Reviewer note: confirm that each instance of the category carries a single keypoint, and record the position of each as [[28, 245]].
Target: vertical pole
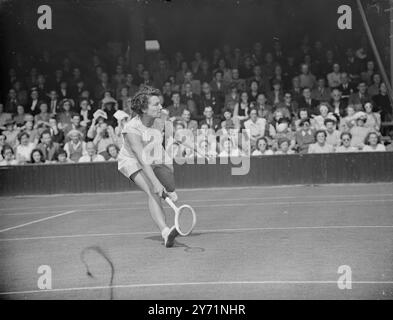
[[375, 50], [391, 42]]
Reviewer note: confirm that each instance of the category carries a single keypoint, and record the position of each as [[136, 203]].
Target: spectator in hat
[[360, 131], [37, 157], [332, 135], [48, 147], [373, 118], [304, 136], [262, 148], [7, 153], [99, 117], [318, 122], [11, 132], [105, 136], [110, 106], [91, 154], [372, 143], [283, 131], [320, 146], [75, 147], [24, 149], [346, 139]]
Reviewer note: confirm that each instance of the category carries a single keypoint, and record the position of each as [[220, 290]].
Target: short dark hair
[[140, 100], [318, 132], [6, 147]]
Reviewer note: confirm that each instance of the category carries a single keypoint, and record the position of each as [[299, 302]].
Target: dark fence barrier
[[267, 170]]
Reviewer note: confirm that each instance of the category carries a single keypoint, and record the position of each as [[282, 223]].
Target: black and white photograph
[[194, 151]]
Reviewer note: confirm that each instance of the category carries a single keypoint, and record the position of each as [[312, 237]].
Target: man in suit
[[358, 99], [176, 109], [321, 92], [346, 87], [218, 84], [188, 123], [189, 94], [210, 120], [195, 84], [103, 86], [306, 102], [337, 103], [209, 98]]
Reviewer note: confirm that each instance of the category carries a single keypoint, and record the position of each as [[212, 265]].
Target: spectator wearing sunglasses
[[346, 139]]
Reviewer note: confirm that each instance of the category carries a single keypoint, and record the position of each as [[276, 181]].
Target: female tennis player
[[153, 178]]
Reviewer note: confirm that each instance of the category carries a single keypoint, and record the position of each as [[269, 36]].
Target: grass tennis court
[[250, 243]]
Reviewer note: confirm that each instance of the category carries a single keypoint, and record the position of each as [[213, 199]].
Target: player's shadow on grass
[[179, 244]]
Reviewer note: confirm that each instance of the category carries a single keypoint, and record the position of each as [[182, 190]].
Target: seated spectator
[[254, 91], [218, 85], [302, 115], [321, 93], [265, 110], [367, 75], [206, 150], [382, 103], [2, 143], [373, 143], [346, 88], [284, 146], [304, 136], [320, 146], [257, 126], [360, 131], [195, 85], [24, 149], [187, 122], [283, 131], [43, 116], [241, 111], [109, 105], [332, 135], [62, 158], [48, 147], [229, 149], [337, 103], [209, 119], [349, 120], [359, 98], [318, 122], [37, 157], [91, 154], [236, 81], [113, 152], [307, 102], [105, 136], [53, 102], [176, 109], [75, 125], [32, 104], [20, 116], [296, 90], [76, 147], [210, 99], [373, 118], [228, 122], [86, 113], [56, 133], [7, 153], [373, 89], [103, 86], [65, 115], [276, 96], [11, 132], [121, 117], [189, 94], [334, 78], [288, 107], [306, 78], [226, 72], [346, 141], [4, 117], [232, 98], [262, 148], [122, 97]]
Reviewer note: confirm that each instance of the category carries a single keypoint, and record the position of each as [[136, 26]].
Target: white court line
[[181, 284], [248, 204], [37, 221], [209, 200], [195, 231]]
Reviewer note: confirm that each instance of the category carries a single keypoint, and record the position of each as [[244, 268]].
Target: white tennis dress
[[128, 162]]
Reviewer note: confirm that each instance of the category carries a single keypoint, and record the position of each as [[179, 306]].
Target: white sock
[[165, 232]]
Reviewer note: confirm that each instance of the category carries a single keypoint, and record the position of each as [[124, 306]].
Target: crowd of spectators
[[310, 100]]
